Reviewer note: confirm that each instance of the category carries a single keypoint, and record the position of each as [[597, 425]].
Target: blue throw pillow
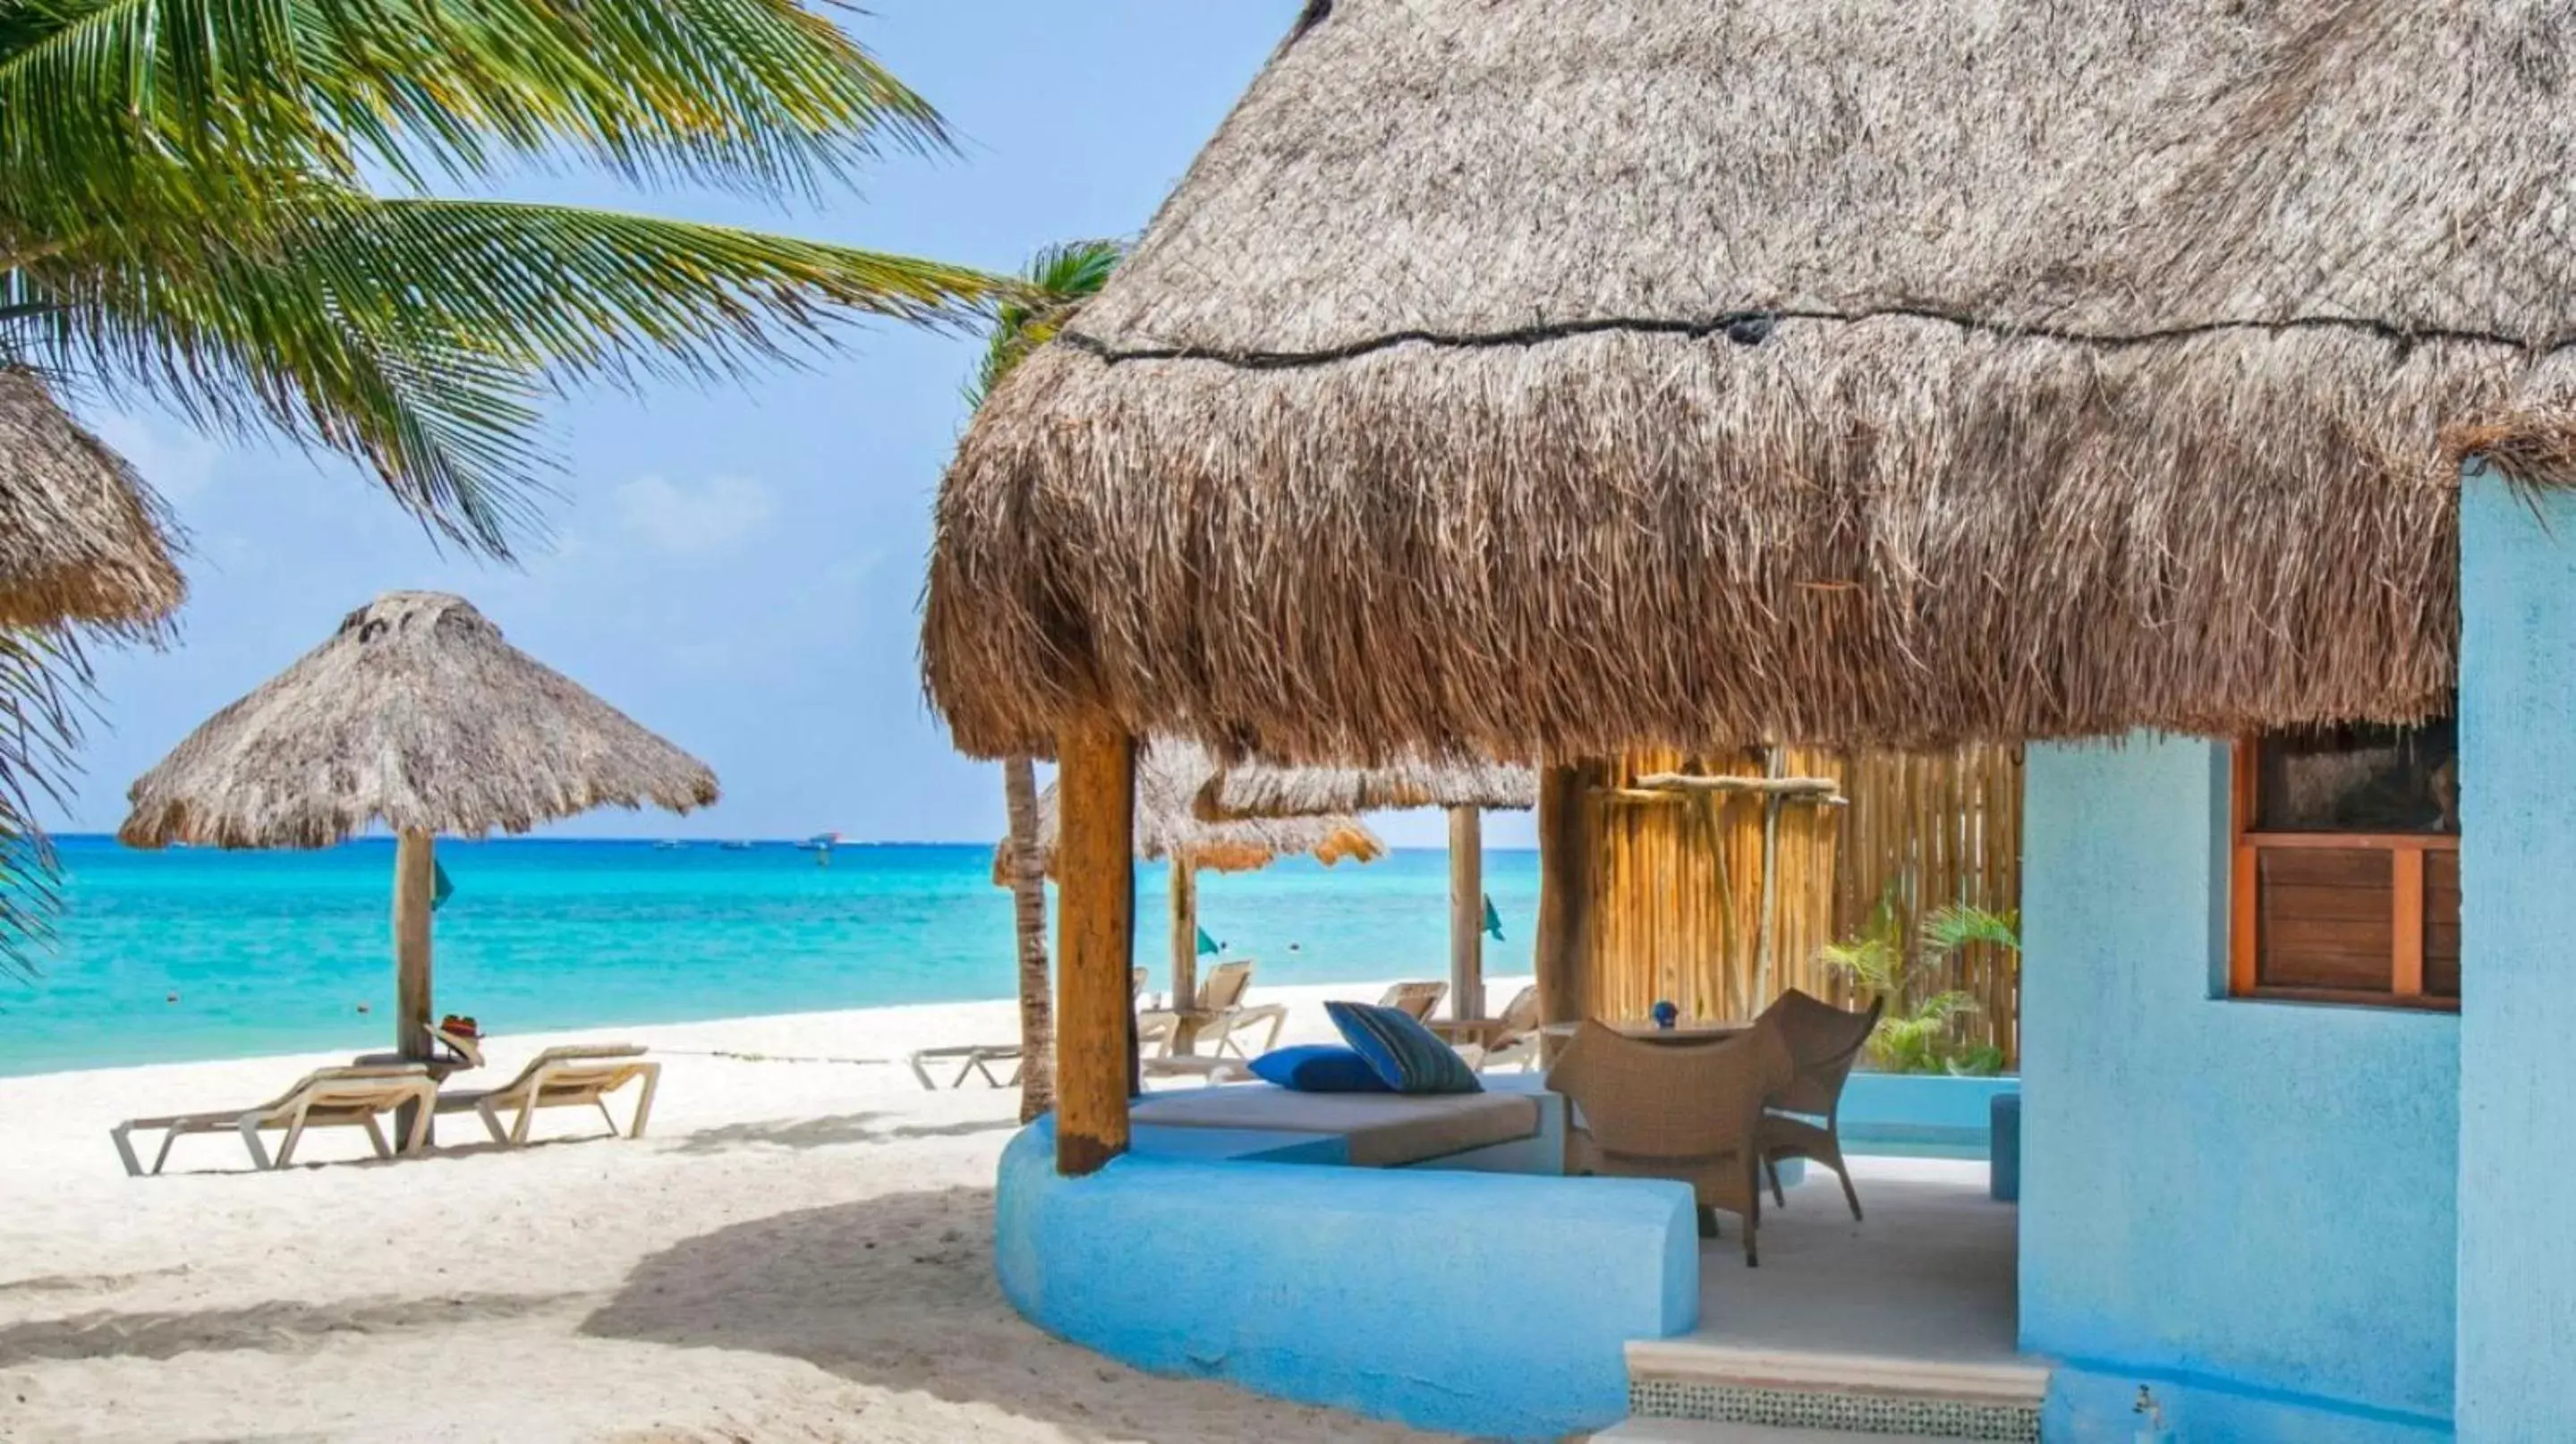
[[1318, 1068], [1407, 1056]]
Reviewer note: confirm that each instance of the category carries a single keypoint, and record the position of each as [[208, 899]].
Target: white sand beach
[[798, 1250]]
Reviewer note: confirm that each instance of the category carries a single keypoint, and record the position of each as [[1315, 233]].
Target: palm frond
[[762, 95], [419, 335], [44, 687], [1958, 926], [1057, 282]]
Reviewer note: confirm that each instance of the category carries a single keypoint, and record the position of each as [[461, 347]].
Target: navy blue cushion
[[1318, 1068], [1407, 1056]]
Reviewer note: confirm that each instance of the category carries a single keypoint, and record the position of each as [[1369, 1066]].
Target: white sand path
[[797, 1251]]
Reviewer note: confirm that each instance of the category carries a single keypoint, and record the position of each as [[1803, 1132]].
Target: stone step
[[1858, 1395]]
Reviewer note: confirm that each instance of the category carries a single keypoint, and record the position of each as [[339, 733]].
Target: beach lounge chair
[[573, 1077], [979, 1059], [1686, 1111], [350, 1097], [1220, 1016], [1498, 1042], [972, 1060], [1417, 999], [1803, 1119]]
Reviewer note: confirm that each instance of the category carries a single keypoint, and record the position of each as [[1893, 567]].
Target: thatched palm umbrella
[[1169, 779], [1464, 789], [417, 715], [82, 539], [1887, 372]]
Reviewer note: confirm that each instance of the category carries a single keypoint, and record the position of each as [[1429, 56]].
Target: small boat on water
[[735, 845], [821, 842], [669, 844]]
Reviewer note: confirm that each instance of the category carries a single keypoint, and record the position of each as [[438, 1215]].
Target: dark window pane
[[2363, 778], [2326, 919]]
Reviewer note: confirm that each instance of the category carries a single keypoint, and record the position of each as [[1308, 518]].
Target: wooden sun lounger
[[972, 1059], [573, 1077], [325, 1098]]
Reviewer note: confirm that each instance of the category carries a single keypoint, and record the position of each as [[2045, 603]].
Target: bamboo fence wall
[[1677, 879]]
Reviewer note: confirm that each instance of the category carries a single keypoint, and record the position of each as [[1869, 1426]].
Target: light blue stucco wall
[[1478, 1303], [2247, 1206], [2517, 1229]]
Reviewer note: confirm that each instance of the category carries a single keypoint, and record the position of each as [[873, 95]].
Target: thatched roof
[[82, 538], [1260, 789], [1169, 776], [415, 714], [1510, 377]]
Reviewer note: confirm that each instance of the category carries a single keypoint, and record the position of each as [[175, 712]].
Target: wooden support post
[[1095, 942], [1568, 832], [415, 893], [1185, 931], [1466, 913], [415, 884]]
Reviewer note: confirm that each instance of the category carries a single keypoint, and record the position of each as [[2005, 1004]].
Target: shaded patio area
[[1929, 1274]]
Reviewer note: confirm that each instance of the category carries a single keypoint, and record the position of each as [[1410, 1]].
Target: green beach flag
[[1493, 920], [440, 889], [1208, 946]]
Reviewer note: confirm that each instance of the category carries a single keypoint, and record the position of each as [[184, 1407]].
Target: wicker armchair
[[1687, 1111], [1802, 1120]]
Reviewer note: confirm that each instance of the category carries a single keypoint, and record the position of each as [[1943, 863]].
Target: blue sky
[[738, 567]]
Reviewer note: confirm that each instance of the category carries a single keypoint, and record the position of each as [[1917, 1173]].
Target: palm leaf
[[1053, 289]]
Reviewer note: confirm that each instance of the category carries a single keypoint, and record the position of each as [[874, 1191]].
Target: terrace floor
[[1929, 1275]]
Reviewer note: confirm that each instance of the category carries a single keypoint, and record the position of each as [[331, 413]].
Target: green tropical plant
[[234, 207], [1058, 281], [228, 205], [1918, 1033]]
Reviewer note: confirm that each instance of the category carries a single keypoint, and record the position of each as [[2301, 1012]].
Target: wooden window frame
[[2406, 852]]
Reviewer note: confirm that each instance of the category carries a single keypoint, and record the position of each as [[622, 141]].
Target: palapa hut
[[1170, 777], [416, 715], [1543, 380], [1465, 790], [82, 538]]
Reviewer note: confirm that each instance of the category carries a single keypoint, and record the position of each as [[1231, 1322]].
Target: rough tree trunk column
[[1028, 912], [1567, 829], [415, 888], [1096, 942], [1466, 913]]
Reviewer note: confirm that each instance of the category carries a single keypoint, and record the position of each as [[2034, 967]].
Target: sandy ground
[[798, 1250]]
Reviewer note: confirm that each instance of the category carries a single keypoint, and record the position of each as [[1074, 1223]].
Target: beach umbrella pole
[[415, 888], [1185, 947], [1466, 912]]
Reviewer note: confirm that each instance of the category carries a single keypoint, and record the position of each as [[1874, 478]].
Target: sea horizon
[[200, 953]]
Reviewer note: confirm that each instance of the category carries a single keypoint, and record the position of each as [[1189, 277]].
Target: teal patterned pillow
[[1408, 1056]]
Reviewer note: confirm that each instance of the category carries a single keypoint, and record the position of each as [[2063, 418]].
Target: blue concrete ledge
[[1897, 1112], [1478, 1303], [2090, 1401]]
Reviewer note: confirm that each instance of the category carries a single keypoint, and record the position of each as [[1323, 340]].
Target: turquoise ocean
[[192, 953]]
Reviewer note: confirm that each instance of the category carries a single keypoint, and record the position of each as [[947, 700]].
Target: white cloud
[[700, 521], [174, 461]]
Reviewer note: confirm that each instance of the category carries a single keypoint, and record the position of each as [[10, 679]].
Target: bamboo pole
[[1096, 942], [1762, 927], [1466, 913]]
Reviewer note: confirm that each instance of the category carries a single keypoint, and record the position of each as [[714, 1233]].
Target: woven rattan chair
[[1802, 1120], [1687, 1111]]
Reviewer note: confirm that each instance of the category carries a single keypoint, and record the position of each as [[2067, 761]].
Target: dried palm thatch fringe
[[82, 539], [1260, 789], [1169, 774], [415, 714], [1511, 380]]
